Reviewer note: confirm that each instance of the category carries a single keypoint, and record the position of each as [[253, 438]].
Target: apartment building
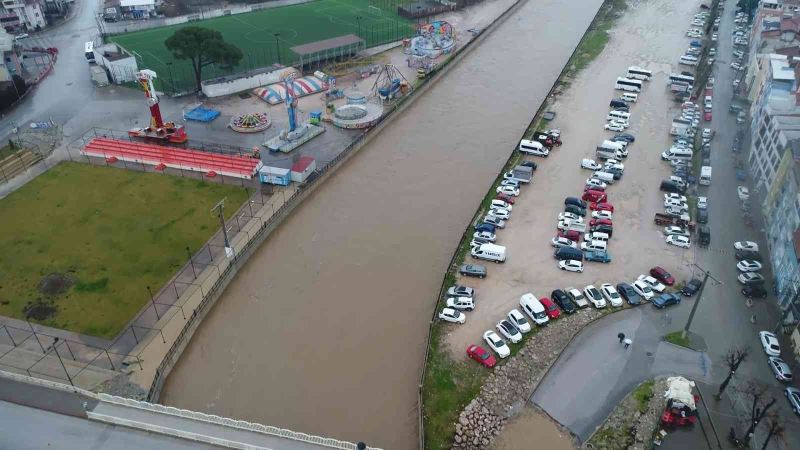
[[30, 15]]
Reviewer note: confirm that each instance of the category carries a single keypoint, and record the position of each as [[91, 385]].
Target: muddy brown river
[[324, 330]]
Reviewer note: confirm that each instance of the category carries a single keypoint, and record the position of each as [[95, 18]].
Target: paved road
[[596, 372]]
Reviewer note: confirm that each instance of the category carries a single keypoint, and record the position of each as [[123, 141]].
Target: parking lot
[[645, 37]]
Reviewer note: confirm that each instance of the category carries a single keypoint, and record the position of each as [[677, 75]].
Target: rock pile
[[510, 385]]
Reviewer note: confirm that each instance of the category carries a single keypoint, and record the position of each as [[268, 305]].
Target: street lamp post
[[358, 20], [191, 261], [55, 347], [152, 300], [706, 276], [277, 46]]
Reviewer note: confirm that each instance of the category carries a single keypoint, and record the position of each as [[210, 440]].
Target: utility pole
[[706, 276], [220, 207]]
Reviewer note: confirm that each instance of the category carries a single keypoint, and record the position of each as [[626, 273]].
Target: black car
[[607, 229], [748, 254], [575, 201], [562, 300], [627, 292], [754, 291], [530, 164], [702, 216], [624, 136], [575, 210], [691, 287]]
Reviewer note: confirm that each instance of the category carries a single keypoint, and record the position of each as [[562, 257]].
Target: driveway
[[596, 372]]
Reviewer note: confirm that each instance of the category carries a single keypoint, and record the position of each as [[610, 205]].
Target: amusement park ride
[[294, 136], [158, 129]]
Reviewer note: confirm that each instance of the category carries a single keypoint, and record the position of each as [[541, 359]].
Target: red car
[[572, 235], [479, 354], [595, 222], [550, 308], [707, 116], [601, 207], [662, 275], [594, 196], [506, 198]]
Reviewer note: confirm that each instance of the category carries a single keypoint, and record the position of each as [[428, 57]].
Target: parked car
[[748, 254], [780, 369], [473, 270], [562, 300], [666, 299], [458, 290], [519, 321], [559, 242], [691, 287], [654, 284], [643, 289], [615, 126], [743, 193], [594, 296], [597, 256], [500, 213], [770, 344], [660, 274], [484, 236], [530, 164], [754, 291], [510, 182], [496, 344], [572, 235], [674, 196], [607, 229], [550, 308], [747, 265], [602, 214], [678, 241], [601, 206], [577, 297], [485, 227], [452, 315], [611, 294], [750, 278], [595, 222], [590, 164], [461, 303], [575, 201], [624, 136], [702, 216], [570, 216], [746, 245], [594, 183], [508, 190], [480, 354], [497, 203], [571, 265], [508, 330], [510, 199], [629, 294], [577, 210], [793, 395], [494, 220]]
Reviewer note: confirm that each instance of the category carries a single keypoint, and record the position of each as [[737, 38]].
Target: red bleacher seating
[[178, 158]]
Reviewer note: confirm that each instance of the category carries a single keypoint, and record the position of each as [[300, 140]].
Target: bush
[[12, 91]]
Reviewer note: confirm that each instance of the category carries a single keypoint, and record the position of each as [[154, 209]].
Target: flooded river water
[[324, 330]]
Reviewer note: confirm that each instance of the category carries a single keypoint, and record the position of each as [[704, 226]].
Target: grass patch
[[676, 337], [80, 243], [596, 37], [620, 437], [7, 150], [643, 394]]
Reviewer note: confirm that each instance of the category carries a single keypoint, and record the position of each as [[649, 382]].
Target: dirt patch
[[634, 420], [55, 284], [40, 310]]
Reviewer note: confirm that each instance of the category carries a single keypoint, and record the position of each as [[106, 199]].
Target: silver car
[[793, 394], [780, 369]]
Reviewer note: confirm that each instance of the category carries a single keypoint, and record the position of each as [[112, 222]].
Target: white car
[[714, 37], [676, 210], [675, 204], [743, 193], [494, 220], [614, 166], [512, 183], [769, 342], [678, 241], [570, 216], [654, 284], [611, 294], [571, 265], [508, 190], [678, 197], [508, 330], [452, 315], [594, 245], [746, 245], [594, 296], [707, 132], [615, 127], [702, 202], [496, 344], [750, 278], [461, 303], [603, 214], [747, 265], [735, 65], [497, 203], [519, 321], [500, 213], [484, 236], [669, 231], [594, 182], [559, 242], [643, 289], [590, 164]]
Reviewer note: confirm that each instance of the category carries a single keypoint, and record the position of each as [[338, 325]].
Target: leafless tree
[[758, 408], [732, 359], [776, 429]]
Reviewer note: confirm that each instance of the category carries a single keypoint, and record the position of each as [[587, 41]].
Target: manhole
[[649, 353]]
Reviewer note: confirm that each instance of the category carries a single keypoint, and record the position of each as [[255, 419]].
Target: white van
[[604, 176], [489, 252], [596, 236], [533, 148], [533, 308], [618, 115], [677, 154], [612, 145], [629, 97], [688, 60], [705, 175], [594, 245]]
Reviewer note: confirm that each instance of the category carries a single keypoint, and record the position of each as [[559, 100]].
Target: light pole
[[277, 46], [171, 80], [220, 207], [152, 300], [358, 20], [55, 347], [191, 261], [706, 276]]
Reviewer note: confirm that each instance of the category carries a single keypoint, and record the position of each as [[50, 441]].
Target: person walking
[[621, 337], [627, 342]]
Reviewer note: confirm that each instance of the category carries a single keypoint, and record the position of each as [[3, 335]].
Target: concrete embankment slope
[[324, 330]]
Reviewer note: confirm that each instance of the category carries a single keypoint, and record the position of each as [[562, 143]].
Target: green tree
[[202, 47]]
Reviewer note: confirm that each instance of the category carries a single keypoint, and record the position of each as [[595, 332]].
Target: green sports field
[[80, 243], [375, 21]]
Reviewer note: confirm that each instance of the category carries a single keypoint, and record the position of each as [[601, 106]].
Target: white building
[[120, 65], [31, 13], [137, 9]]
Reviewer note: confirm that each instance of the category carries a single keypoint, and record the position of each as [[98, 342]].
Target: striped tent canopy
[[276, 93]]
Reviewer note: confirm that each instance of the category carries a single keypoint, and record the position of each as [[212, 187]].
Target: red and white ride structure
[[158, 129]]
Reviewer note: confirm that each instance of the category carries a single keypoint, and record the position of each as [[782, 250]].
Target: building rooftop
[[781, 71]]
